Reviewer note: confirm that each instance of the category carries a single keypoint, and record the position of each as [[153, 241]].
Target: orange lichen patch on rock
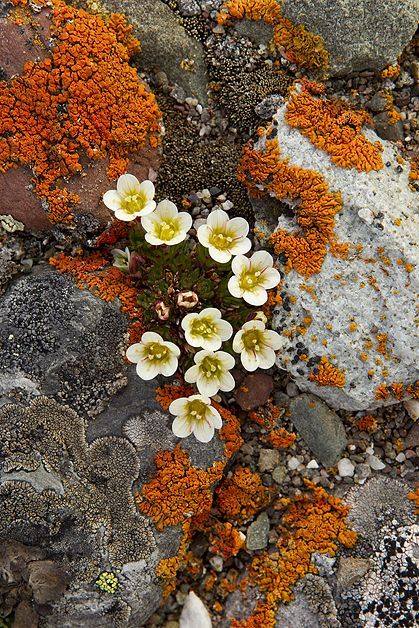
[[177, 490], [302, 46], [392, 71], [281, 438], [367, 423], [119, 230], [305, 249], [242, 495], [414, 171], [325, 374], [397, 390], [414, 496], [266, 416], [312, 522], [169, 392], [274, 299], [226, 540], [84, 100], [168, 567], [334, 127]]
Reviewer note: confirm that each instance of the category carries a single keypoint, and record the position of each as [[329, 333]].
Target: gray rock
[[351, 569], [377, 103], [386, 130], [279, 474], [359, 34], [257, 533], [189, 7], [312, 607], [67, 480], [258, 32], [379, 215], [320, 428], [268, 459], [165, 45]]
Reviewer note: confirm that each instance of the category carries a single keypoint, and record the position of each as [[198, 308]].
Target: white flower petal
[[240, 264], [191, 374], [215, 417], [174, 349], [210, 344], [181, 427], [176, 239], [135, 352], [203, 431], [249, 360], [179, 406], [240, 247], [220, 256], [266, 357], [206, 386], [238, 345], [169, 367], [217, 219], [112, 200], [147, 369], [272, 339], [234, 288], [210, 312], [225, 330], [227, 382], [240, 226], [148, 208], [151, 239], [166, 210], [185, 221], [147, 187], [254, 324], [225, 359], [271, 278], [262, 259], [151, 336], [149, 221], [256, 296], [127, 184], [203, 235], [187, 320], [123, 215]]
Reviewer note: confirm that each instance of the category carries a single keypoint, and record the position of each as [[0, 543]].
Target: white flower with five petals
[[153, 356], [206, 329], [256, 345], [211, 372], [224, 237], [195, 415], [131, 198], [252, 277], [166, 225]]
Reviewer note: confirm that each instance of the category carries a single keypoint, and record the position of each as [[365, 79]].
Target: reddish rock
[[254, 391]]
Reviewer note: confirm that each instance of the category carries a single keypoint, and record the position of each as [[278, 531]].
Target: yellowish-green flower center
[[203, 327], [220, 240], [196, 410], [252, 340], [165, 230], [134, 202], [249, 279], [156, 352], [210, 367]]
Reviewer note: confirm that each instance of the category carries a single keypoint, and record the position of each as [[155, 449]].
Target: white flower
[[166, 225], [206, 329], [224, 237], [256, 345], [211, 372], [121, 258], [154, 356], [252, 277], [131, 198], [195, 415]]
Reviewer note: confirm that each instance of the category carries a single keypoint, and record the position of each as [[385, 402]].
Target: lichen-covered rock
[[165, 44], [348, 235], [75, 114], [89, 498], [358, 34]]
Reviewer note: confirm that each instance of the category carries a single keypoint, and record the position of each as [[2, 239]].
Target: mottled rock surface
[[359, 34], [321, 428], [67, 481], [362, 308]]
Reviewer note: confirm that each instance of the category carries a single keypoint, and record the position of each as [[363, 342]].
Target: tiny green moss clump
[[108, 582]]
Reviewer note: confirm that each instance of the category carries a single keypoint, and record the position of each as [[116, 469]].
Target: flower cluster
[[169, 277]]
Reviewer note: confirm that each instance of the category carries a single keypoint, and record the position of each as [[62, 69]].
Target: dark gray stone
[[320, 428], [165, 44], [359, 34], [386, 130]]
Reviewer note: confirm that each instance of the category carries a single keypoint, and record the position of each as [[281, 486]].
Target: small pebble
[[293, 463], [375, 463], [345, 468], [312, 465]]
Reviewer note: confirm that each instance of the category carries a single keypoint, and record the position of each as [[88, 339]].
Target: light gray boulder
[[362, 308], [359, 34]]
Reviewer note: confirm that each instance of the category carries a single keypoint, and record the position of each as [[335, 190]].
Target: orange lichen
[[367, 423], [168, 567], [302, 46], [266, 416], [226, 540], [169, 392], [312, 522], [414, 497], [392, 71], [381, 392], [177, 490], [335, 128], [274, 299], [414, 171], [242, 495], [305, 249], [281, 438], [84, 100], [325, 374]]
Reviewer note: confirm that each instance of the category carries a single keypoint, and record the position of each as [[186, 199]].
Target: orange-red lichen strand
[[326, 374], [242, 495], [335, 128]]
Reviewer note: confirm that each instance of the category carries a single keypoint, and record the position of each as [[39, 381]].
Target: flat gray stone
[[257, 533], [320, 428]]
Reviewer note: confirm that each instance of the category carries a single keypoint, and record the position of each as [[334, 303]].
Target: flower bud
[[135, 262], [162, 310], [121, 259], [187, 299]]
